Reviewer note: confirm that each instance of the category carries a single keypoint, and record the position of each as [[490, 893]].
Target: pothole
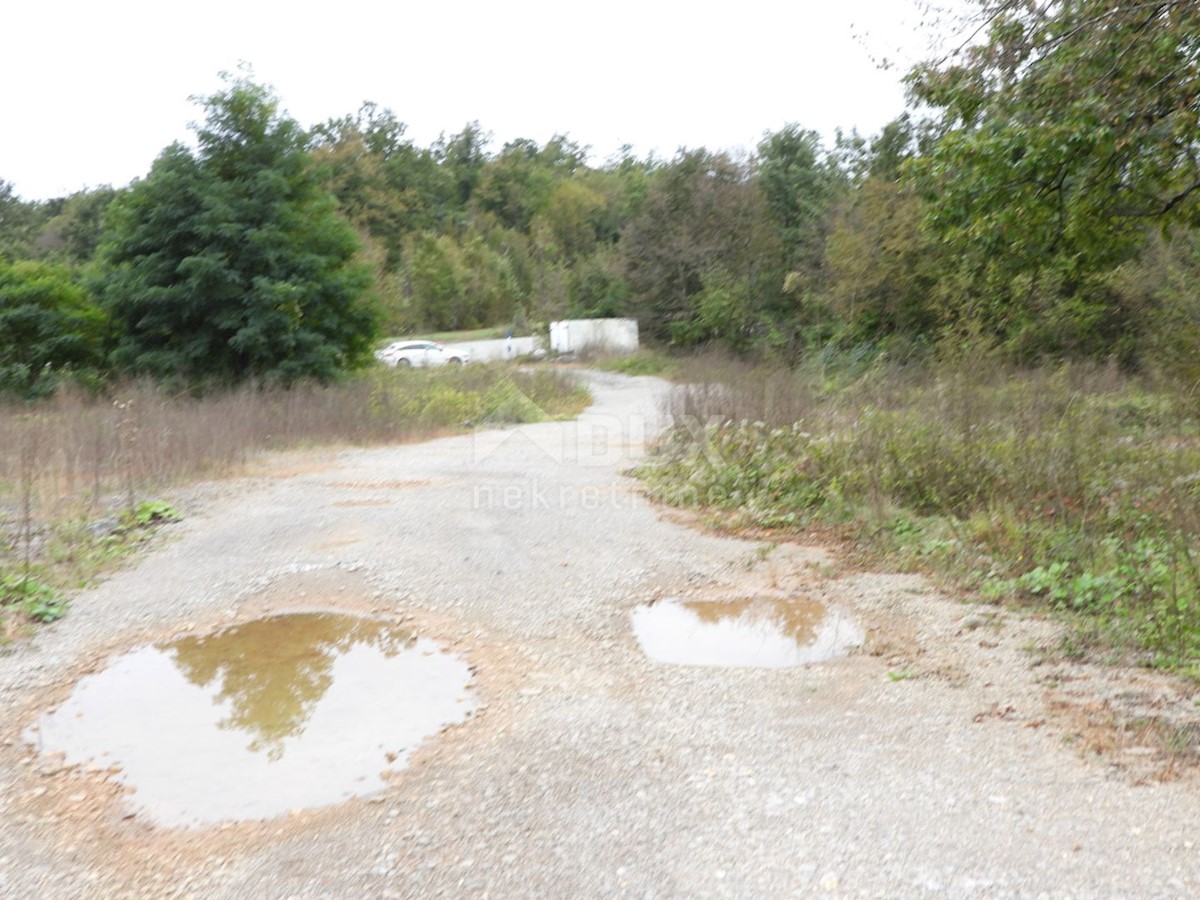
[[288, 712], [751, 633]]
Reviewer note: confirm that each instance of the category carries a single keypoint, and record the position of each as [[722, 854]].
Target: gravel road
[[941, 759]]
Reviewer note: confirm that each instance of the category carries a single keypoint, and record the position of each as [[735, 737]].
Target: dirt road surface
[[946, 757]]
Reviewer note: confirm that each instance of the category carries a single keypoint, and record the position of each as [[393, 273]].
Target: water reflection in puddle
[[757, 633], [287, 712]]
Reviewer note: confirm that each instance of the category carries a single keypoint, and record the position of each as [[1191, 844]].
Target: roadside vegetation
[[1040, 199], [979, 327], [643, 362], [81, 475], [1075, 488]]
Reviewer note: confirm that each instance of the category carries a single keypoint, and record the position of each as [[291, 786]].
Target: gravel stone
[[922, 765]]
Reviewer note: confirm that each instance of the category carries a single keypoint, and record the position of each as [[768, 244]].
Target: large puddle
[[753, 633], [282, 713]]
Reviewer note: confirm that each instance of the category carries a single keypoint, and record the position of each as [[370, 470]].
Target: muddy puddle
[[281, 713], [751, 633]]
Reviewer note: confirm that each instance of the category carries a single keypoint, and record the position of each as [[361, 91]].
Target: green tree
[[434, 276], [385, 185], [598, 288], [799, 187], [514, 185], [230, 262], [623, 184], [1066, 132], [48, 327], [461, 157], [703, 219], [353, 169], [73, 234], [572, 219], [884, 267], [492, 289], [19, 223], [888, 153], [1162, 287]]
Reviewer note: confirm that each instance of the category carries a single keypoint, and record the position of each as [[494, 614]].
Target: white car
[[415, 354]]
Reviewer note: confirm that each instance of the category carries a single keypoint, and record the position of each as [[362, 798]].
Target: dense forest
[[1039, 200]]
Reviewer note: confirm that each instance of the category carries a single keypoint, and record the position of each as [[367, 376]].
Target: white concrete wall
[[495, 351], [601, 335]]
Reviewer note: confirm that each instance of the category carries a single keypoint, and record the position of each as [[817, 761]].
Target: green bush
[[36, 600], [1074, 488], [79, 462], [49, 328]]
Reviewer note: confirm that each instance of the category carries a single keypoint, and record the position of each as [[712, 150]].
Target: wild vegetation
[[1075, 487], [230, 263], [1039, 199], [80, 475], [1026, 237]]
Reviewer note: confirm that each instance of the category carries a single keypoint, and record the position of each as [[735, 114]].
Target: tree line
[[1038, 200]]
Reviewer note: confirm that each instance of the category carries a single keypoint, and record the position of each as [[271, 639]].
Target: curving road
[[937, 761]]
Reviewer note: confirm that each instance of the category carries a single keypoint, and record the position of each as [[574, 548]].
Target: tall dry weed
[[77, 458], [1077, 486]]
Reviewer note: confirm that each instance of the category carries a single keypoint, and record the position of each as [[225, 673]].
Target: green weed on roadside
[[34, 599], [1074, 489], [72, 488]]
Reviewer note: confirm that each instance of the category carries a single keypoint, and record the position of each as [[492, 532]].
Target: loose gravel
[[943, 758]]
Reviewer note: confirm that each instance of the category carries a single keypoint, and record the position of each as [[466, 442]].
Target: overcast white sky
[[93, 91]]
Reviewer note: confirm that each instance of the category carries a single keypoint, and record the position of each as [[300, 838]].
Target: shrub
[[1075, 487], [72, 487]]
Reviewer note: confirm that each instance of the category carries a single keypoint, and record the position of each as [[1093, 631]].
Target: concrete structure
[[497, 350], [567, 336], [594, 335]]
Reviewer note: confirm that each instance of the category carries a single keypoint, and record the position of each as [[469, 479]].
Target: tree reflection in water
[[274, 671], [797, 619], [757, 632]]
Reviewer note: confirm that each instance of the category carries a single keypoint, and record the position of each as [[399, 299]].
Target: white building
[[594, 335]]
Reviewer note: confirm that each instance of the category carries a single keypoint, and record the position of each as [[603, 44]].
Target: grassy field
[[80, 476], [1076, 489]]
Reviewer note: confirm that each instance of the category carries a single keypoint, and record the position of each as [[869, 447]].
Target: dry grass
[[72, 461], [1075, 487]]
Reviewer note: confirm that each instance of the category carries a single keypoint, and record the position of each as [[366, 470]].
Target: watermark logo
[[541, 495], [594, 440]]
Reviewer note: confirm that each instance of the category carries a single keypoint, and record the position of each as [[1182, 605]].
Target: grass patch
[[79, 474], [68, 554], [1076, 489], [643, 362]]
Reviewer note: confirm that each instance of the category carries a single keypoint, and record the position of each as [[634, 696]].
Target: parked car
[[415, 354]]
